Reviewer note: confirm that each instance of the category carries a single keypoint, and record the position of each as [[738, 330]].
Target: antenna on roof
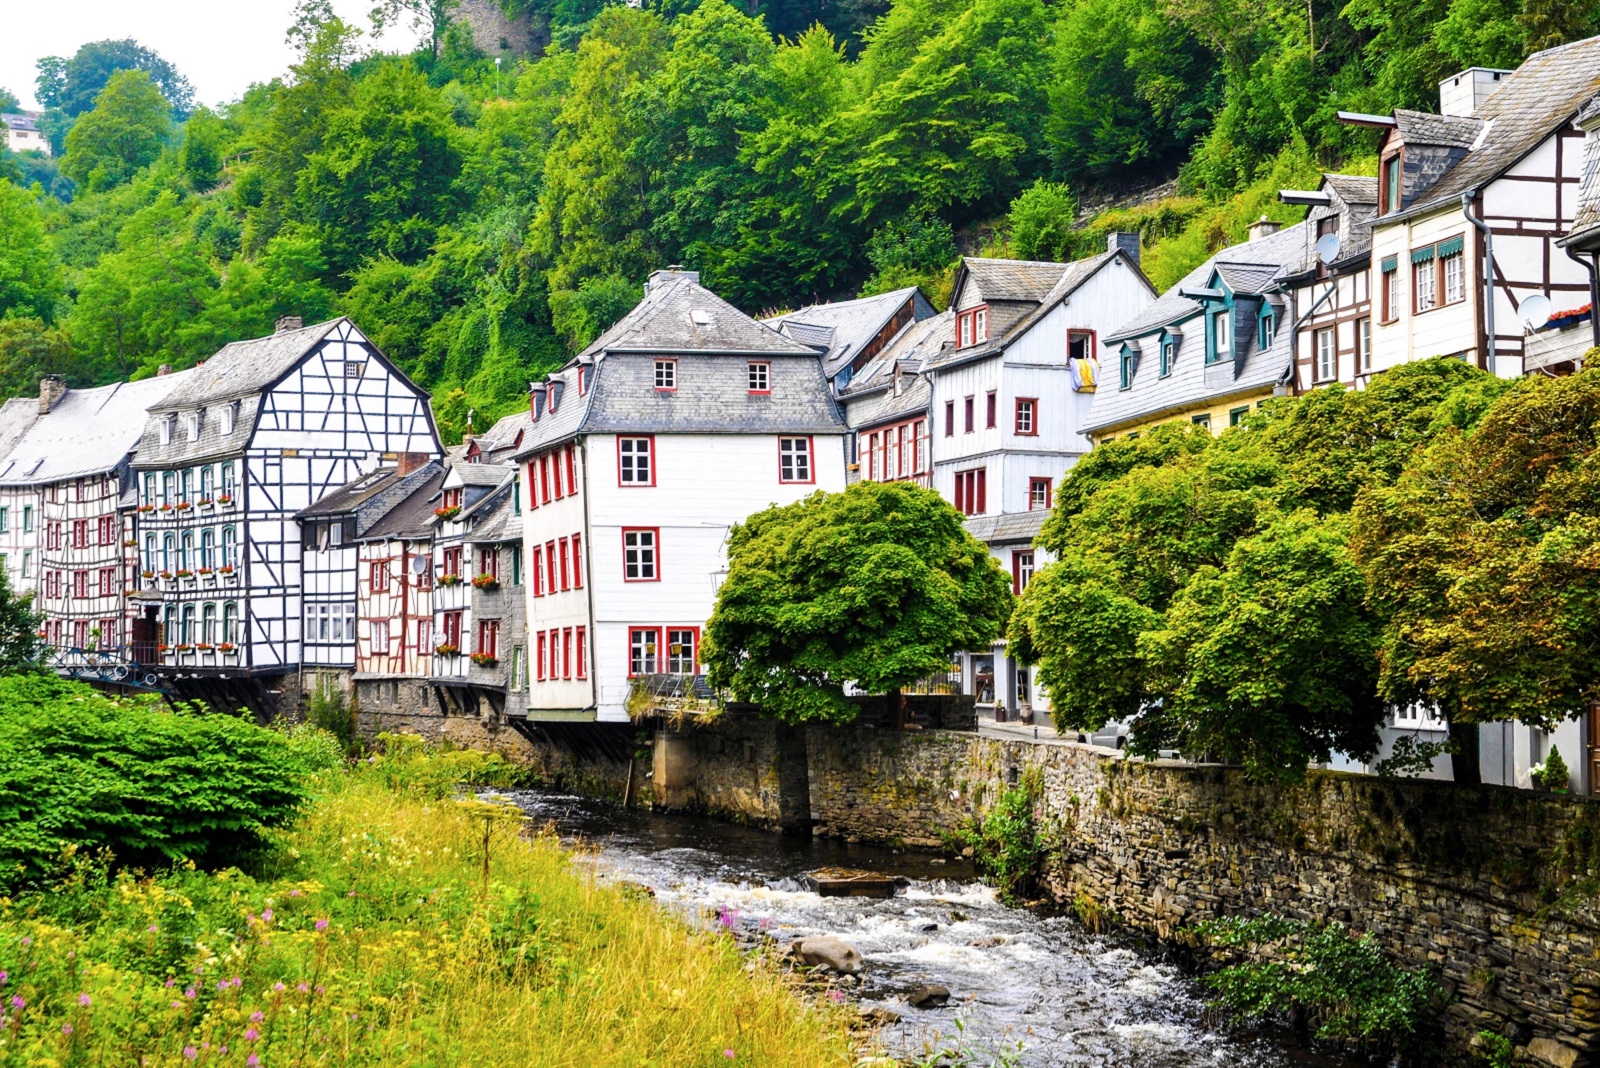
[[1328, 248], [1535, 311]]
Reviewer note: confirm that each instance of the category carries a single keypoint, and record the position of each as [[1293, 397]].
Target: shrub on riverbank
[[81, 771], [1006, 844], [391, 927]]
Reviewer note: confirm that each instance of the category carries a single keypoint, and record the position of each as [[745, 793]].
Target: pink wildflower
[[279, 987], [256, 1017], [66, 1029], [322, 925], [728, 1053], [84, 999], [17, 1001], [190, 1053], [253, 1061], [302, 987], [266, 915], [251, 1034]]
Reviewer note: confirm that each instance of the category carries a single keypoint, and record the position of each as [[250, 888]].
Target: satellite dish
[[420, 565], [1535, 311], [1328, 248]]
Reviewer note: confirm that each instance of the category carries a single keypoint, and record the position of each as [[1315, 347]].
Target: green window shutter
[[1451, 246], [1422, 255], [1390, 263]]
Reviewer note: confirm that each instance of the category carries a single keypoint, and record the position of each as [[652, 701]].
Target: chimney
[[1121, 240], [286, 323], [670, 274], [164, 369], [1263, 227], [408, 462], [1461, 95], [51, 389]]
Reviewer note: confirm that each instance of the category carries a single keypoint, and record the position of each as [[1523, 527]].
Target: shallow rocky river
[[1037, 987]]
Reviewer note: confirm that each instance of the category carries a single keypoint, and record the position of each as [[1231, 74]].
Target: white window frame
[[760, 376], [1364, 344], [1327, 354], [794, 460], [380, 637], [666, 378], [630, 471], [1455, 277]]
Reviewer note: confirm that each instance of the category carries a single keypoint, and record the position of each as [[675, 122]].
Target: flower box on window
[[184, 572], [486, 582], [225, 569], [166, 507], [446, 649], [226, 498], [185, 647], [147, 508], [204, 502], [449, 580], [147, 574], [226, 647], [447, 513], [204, 647], [485, 659], [163, 648], [203, 571], [166, 574], [184, 506]]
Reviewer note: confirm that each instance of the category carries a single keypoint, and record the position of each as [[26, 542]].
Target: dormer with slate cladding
[[639, 455], [258, 433]]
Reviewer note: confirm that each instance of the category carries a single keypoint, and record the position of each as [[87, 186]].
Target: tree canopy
[[875, 586]]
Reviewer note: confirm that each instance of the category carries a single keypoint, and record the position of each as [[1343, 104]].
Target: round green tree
[[875, 586]]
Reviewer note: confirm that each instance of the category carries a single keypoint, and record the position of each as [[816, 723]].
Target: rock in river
[[827, 950], [851, 882], [928, 996]]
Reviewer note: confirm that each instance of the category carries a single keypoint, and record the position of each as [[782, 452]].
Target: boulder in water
[[928, 996], [827, 951], [851, 882], [879, 1014]]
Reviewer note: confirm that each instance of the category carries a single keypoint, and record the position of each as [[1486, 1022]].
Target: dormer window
[[1130, 363], [760, 377], [1221, 336], [191, 425], [666, 375], [165, 428], [1390, 180], [1265, 327], [229, 416], [1169, 354], [555, 396], [972, 326], [452, 498]]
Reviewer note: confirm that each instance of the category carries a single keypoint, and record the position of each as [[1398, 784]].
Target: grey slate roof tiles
[[1028, 280], [680, 315], [372, 497], [412, 517], [1007, 528], [1446, 131], [843, 328], [240, 368], [88, 432]]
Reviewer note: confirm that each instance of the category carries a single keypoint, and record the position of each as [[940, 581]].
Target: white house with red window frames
[[888, 406], [683, 419], [476, 567], [1504, 155], [66, 486]]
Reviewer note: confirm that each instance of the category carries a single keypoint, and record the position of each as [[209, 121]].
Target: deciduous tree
[[126, 130]]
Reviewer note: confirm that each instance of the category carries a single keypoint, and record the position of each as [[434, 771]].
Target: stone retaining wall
[[1491, 886]]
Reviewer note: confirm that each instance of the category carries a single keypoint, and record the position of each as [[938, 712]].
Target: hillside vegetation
[[483, 223]]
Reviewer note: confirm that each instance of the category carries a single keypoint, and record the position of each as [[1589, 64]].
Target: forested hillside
[[481, 223]]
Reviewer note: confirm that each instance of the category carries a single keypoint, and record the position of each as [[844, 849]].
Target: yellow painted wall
[[1219, 414]]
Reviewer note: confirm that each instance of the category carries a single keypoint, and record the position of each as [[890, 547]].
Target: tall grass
[[393, 927]]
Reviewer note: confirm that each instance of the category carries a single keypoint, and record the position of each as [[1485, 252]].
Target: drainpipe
[[1592, 265], [1488, 276]]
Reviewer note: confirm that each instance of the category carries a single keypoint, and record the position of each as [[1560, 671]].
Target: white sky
[[221, 46]]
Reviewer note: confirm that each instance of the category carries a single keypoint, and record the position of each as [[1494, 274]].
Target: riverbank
[[391, 925]]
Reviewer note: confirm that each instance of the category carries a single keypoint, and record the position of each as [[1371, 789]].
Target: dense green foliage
[[876, 585], [483, 222], [1336, 985], [1206, 588], [81, 771], [20, 640], [1006, 844]]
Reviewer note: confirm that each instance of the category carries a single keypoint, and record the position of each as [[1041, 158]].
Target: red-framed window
[[424, 636], [544, 477], [1080, 344], [577, 561], [991, 409], [538, 571], [108, 530], [452, 498], [644, 651], [452, 560], [562, 549], [972, 326], [581, 649], [972, 491], [533, 484], [682, 650], [80, 584], [1039, 494], [1021, 570], [488, 638], [870, 459], [969, 405], [543, 648], [641, 554], [794, 460], [551, 570], [949, 418], [378, 576], [1027, 417], [566, 652], [636, 461], [489, 563], [759, 375], [666, 380], [108, 582], [572, 469], [452, 629]]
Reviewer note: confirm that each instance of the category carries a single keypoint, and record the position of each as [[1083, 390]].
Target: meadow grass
[[389, 926]]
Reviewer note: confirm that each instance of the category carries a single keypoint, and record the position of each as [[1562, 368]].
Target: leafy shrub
[[1006, 844], [1321, 977], [81, 771], [1552, 774], [328, 711], [1041, 221], [316, 749], [409, 764]]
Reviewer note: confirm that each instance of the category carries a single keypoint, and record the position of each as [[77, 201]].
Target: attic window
[[760, 374], [354, 368], [1080, 344], [165, 428], [191, 425], [972, 326], [666, 375], [229, 415], [701, 318]]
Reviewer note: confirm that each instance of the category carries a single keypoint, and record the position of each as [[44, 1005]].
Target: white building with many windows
[[683, 419]]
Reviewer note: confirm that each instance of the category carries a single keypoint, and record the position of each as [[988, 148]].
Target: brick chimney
[[51, 389], [1122, 241], [1263, 227], [164, 369], [286, 323], [408, 462]]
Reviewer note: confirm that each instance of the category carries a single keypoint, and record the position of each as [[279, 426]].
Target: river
[[1040, 989]]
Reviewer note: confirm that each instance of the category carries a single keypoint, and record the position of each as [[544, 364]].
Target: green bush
[[1006, 844], [1553, 774], [328, 711], [409, 764], [83, 772], [1322, 978], [315, 748]]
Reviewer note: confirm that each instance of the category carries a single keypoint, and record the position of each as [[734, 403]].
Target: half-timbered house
[[394, 604], [476, 571], [19, 502], [1332, 301], [681, 420], [1471, 202], [259, 432]]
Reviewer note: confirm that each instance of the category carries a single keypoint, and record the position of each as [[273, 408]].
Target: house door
[[1591, 783], [142, 649]]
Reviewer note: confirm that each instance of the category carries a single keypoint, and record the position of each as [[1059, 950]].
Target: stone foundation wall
[[1493, 887], [738, 767]]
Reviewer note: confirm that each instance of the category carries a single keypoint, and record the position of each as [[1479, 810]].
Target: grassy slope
[[421, 960]]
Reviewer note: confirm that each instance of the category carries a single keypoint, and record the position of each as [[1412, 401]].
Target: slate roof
[[665, 322], [1353, 188], [497, 521], [88, 432], [16, 416], [500, 441], [1533, 101], [1587, 217], [17, 120], [372, 496], [480, 474], [1446, 131], [241, 368], [412, 517], [869, 400], [1191, 383], [844, 327], [1029, 280], [1007, 528], [1248, 278]]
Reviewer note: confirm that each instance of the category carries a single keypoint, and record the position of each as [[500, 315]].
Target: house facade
[[228, 459], [849, 334], [23, 133], [1331, 335], [681, 420]]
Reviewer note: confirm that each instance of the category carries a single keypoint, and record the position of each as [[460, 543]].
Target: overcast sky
[[221, 46]]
